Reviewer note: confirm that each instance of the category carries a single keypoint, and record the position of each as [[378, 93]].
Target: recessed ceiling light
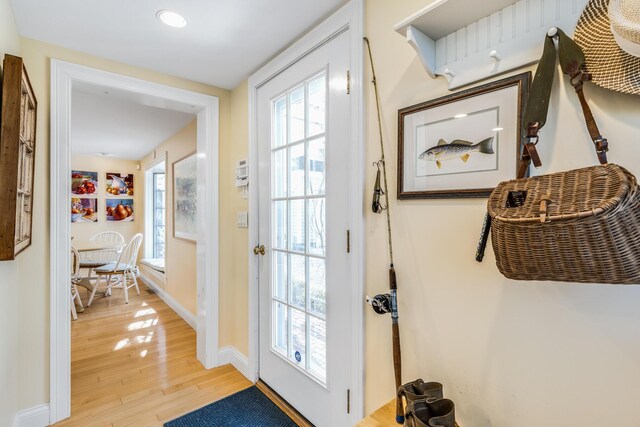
[[459, 116], [171, 18], [498, 129], [105, 154]]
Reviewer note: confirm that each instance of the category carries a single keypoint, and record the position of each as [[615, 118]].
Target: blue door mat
[[247, 408]]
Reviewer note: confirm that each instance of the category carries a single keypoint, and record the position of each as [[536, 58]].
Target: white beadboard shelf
[[471, 40]]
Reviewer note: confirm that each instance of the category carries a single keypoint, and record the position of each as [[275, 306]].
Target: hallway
[[135, 364]]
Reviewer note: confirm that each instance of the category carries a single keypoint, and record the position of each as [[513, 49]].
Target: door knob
[[259, 250]]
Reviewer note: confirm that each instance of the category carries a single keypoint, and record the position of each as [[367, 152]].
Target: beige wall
[[507, 352], [538, 353], [32, 351], [180, 255], [234, 272], [9, 284], [82, 232]]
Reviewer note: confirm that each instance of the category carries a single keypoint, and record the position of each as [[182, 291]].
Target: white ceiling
[[123, 124], [223, 43]]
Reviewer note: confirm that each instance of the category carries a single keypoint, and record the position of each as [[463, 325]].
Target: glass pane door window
[[298, 233]]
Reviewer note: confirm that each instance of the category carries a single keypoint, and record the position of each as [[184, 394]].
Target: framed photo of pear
[[463, 144], [17, 158]]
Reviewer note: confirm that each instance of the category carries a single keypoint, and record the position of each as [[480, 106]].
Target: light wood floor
[[384, 416], [135, 365]]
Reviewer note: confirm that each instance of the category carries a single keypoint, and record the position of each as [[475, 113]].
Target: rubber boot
[[426, 413], [418, 389]]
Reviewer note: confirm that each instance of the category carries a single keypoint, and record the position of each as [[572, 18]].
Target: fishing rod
[[387, 303]]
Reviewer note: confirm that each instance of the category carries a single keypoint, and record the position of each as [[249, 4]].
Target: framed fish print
[[463, 144]]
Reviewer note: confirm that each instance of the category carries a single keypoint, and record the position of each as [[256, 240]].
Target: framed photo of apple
[[464, 144]]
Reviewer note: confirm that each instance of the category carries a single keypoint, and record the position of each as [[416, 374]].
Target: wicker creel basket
[[581, 225]]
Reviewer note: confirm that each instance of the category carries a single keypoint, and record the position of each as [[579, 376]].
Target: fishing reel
[[381, 303]]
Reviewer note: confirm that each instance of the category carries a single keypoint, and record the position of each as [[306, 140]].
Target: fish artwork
[[456, 149]]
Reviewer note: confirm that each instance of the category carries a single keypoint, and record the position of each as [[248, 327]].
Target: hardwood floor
[[135, 364], [384, 416]]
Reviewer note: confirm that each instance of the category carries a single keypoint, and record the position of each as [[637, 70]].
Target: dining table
[[85, 249], [88, 246]]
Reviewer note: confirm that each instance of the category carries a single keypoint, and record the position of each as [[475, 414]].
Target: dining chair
[[113, 243], [123, 270], [75, 277]]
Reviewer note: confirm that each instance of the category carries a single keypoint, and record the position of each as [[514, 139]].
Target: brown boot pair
[[426, 406]]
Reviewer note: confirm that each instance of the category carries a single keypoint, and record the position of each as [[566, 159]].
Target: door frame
[[63, 76], [349, 17]]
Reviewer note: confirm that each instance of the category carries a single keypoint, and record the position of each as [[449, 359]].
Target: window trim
[[149, 199], [153, 212]]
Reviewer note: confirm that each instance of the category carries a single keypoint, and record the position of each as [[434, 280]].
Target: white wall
[[9, 275], [509, 353]]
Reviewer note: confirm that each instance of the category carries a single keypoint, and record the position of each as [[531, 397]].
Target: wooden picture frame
[[184, 194], [17, 158], [485, 124]]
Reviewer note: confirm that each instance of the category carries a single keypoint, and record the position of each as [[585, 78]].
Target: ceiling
[[223, 43], [122, 124]]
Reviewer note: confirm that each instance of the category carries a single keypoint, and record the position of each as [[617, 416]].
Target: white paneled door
[[303, 147]]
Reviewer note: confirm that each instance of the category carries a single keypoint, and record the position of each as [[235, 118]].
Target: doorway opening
[[123, 207]]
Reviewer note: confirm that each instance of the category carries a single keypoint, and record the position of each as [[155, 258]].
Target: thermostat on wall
[[242, 173]]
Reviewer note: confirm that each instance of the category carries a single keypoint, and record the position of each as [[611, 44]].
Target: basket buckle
[[544, 204], [601, 143]]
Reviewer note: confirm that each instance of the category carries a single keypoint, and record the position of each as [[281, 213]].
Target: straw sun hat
[[609, 33]]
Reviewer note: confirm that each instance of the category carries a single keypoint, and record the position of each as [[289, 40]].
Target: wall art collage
[[85, 188]]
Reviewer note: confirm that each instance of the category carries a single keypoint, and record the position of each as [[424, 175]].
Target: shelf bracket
[[425, 47]]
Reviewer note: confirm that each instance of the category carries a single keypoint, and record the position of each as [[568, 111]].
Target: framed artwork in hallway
[[463, 144], [184, 198]]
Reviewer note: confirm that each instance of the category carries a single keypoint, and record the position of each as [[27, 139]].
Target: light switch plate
[[243, 219]]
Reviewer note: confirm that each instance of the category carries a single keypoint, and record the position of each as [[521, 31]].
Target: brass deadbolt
[[259, 250]]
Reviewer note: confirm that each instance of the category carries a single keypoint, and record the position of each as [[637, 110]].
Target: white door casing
[[63, 76], [346, 24]]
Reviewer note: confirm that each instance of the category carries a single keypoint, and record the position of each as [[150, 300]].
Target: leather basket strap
[[535, 114], [572, 63]]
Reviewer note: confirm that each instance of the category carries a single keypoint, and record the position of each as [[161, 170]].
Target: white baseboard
[[188, 317], [38, 416], [238, 360]]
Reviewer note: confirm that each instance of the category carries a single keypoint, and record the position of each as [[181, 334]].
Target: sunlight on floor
[[144, 338], [143, 324], [121, 344], [145, 312]]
